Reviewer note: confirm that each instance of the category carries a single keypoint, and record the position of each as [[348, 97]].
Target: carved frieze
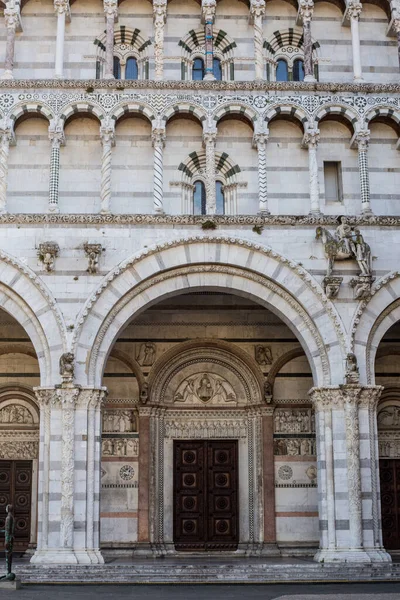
[[124, 447], [294, 447], [294, 420], [119, 421], [19, 450], [205, 428]]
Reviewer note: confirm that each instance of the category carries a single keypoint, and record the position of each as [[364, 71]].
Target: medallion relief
[[204, 388]]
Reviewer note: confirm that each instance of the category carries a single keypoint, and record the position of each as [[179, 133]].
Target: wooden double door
[[16, 489], [206, 495], [389, 471]]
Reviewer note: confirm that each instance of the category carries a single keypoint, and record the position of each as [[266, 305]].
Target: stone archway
[[203, 392]]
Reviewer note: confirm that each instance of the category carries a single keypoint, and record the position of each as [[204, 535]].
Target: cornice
[[233, 86], [97, 219]]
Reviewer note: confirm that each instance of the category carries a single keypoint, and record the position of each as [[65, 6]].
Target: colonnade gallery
[[199, 278]]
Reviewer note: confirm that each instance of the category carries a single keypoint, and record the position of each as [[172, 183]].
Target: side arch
[[30, 108], [134, 109], [78, 108], [343, 112], [233, 265], [288, 110], [386, 112], [26, 298], [184, 109], [280, 363], [241, 110]]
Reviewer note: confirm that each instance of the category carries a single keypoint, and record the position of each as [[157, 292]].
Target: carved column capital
[[311, 138], [111, 8], [45, 396], [61, 7], [107, 134], [354, 10], [158, 136], [67, 396], [12, 16], [209, 138], [260, 139], [396, 23], [56, 133], [47, 253], [159, 12], [335, 397], [306, 10], [362, 138], [257, 9], [208, 10]]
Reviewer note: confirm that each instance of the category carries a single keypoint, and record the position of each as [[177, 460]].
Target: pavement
[[356, 591]]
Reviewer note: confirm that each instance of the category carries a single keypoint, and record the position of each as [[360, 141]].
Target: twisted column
[[306, 9], [107, 139], [56, 137], [209, 140], [354, 11], [208, 14], [257, 11], [7, 136], [111, 12], [362, 140], [62, 11], [160, 17], [311, 139], [158, 137], [13, 23], [260, 142]]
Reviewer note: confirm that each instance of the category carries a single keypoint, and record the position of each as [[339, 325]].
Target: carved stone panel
[[123, 447], [294, 420], [119, 421], [204, 388], [16, 415]]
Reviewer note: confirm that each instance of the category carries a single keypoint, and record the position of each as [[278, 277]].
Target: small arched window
[[282, 73], [217, 69], [131, 70], [298, 70], [220, 198], [199, 198], [198, 69], [117, 68]]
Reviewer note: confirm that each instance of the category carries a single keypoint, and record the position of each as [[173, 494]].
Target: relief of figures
[[13, 413], [389, 417], [203, 389], [120, 447], [263, 355], [119, 421], [294, 421], [146, 354], [294, 447]]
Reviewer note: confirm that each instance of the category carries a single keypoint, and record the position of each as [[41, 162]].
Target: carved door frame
[[244, 425]]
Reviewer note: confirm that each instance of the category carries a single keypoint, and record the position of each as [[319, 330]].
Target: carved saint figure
[[147, 354], [362, 253], [205, 391], [67, 365], [9, 541], [344, 235]]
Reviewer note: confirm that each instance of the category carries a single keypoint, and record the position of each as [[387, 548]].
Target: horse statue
[[345, 244], [334, 249]]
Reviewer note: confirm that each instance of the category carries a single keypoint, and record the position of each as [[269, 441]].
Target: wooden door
[[16, 489], [205, 495], [390, 502]]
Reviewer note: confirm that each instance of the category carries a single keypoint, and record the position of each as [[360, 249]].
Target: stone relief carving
[[295, 420], [67, 366], [352, 372], [93, 253], [119, 421], [146, 354], [16, 415], [17, 450], [285, 472], [389, 417], [205, 388], [263, 355], [294, 447], [120, 447], [312, 472], [47, 253], [127, 472], [205, 428], [331, 286]]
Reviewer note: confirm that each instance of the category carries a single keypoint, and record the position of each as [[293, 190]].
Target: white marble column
[[56, 137], [107, 136], [62, 11], [209, 140], [396, 27], [311, 139], [306, 9], [260, 142], [111, 13], [257, 12], [158, 137], [347, 471], [12, 19], [6, 137], [362, 140], [208, 14], [159, 17], [354, 11]]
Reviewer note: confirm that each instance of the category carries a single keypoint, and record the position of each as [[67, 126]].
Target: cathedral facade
[[200, 303]]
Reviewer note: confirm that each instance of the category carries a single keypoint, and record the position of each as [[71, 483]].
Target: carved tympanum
[[15, 415], [205, 388]]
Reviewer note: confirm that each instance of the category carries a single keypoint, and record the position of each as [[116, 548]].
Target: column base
[[310, 79], [349, 555], [358, 80], [105, 211], [109, 76], [89, 557], [367, 212], [54, 556], [159, 211], [54, 210], [7, 75], [264, 213], [209, 77]]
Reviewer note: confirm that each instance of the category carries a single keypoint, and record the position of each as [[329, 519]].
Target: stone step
[[205, 573]]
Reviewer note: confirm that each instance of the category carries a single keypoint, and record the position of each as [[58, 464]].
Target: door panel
[[16, 489], [205, 495]]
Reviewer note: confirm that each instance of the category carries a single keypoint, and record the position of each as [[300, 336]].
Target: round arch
[[236, 110], [216, 263], [372, 321], [182, 110], [31, 304], [81, 109], [280, 363], [30, 109], [341, 112], [132, 109], [289, 111]]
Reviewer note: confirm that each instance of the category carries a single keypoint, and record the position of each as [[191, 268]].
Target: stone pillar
[[306, 9], [257, 12], [62, 11], [160, 17], [354, 11], [144, 474], [69, 475], [209, 139], [56, 136], [158, 137], [269, 477], [12, 19], [7, 136], [396, 27], [362, 140], [107, 132], [347, 471], [111, 12], [208, 15], [311, 139], [260, 142]]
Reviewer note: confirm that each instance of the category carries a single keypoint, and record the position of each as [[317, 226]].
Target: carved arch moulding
[[216, 262]]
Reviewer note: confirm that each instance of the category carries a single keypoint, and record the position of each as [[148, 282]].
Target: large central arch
[[213, 263]]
